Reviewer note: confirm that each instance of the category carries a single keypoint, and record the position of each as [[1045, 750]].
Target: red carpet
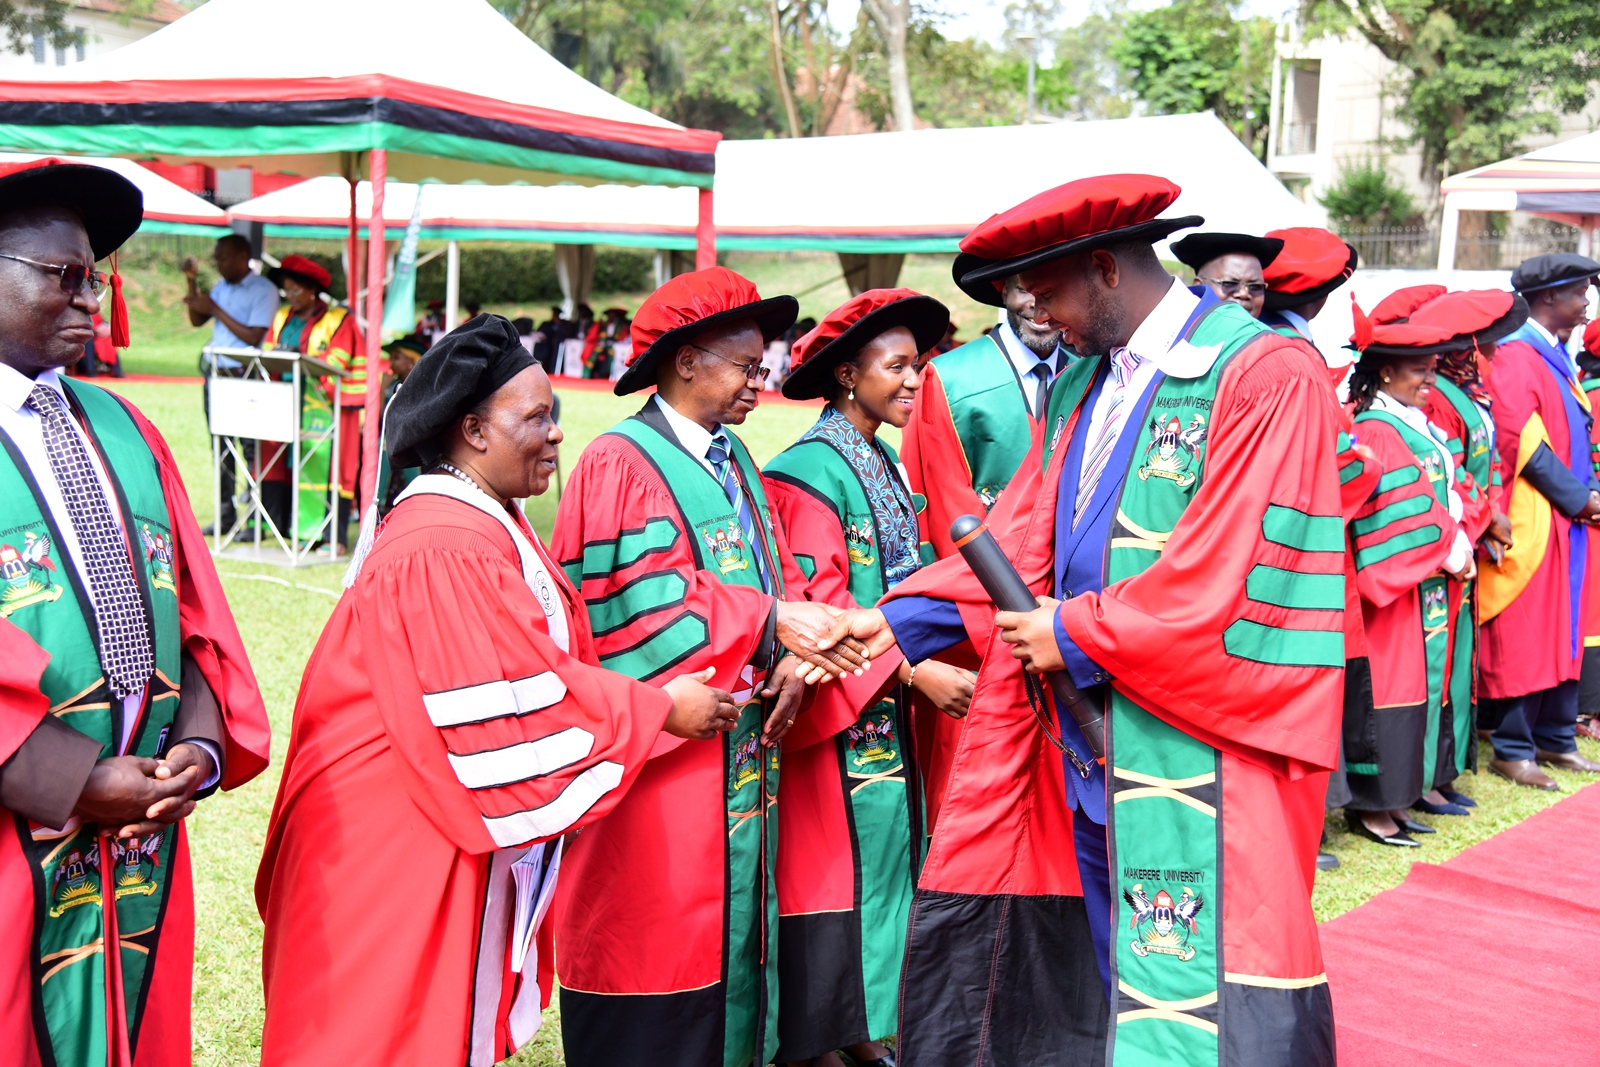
[[1489, 959]]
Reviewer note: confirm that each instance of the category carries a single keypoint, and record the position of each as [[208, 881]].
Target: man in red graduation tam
[[125, 693], [667, 915], [1182, 502], [1311, 265]]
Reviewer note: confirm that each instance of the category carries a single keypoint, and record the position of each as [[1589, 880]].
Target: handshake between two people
[[826, 644]]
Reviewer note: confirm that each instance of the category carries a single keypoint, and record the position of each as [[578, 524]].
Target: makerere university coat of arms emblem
[[1172, 449], [1163, 926], [26, 573]]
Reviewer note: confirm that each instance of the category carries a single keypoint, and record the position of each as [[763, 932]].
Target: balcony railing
[[1298, 139], [1418, 249]]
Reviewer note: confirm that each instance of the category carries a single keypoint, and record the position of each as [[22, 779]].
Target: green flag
[[400, 302]]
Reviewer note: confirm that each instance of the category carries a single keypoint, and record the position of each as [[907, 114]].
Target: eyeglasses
[[73, 275], [1231, 286], [753, 372]]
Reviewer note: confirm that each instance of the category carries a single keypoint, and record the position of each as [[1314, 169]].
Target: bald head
[[43, 326]]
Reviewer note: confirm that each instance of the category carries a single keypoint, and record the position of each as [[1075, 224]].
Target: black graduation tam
[[456, 375], [110, 206], [1198, 249], [1554, 268]]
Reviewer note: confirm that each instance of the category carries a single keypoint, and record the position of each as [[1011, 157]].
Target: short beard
[[1042, 343], [1106, 322]]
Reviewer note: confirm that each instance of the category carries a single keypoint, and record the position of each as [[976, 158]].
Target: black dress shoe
[[1412, 826], [1429, 808], [1327, 861], [886, 1060], [1360, 829], [1458, 798]]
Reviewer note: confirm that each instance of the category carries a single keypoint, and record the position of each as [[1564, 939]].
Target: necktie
[[1041, 390], [720, 455], [125, 652], [1123, 365]]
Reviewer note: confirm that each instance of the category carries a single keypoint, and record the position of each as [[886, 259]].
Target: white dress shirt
[[1155, 343], [1023, 360], [695, 439], [23, 425]]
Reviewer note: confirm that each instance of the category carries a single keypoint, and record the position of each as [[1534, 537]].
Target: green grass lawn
[[281, 612]]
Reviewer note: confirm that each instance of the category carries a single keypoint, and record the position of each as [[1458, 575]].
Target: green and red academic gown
[[850, 836], [452, 720], [667, 913], [1221, 628], [1530, 604], [66, 1003], [1401, 538], [969, 432], [1469, 435], [1359, 472]]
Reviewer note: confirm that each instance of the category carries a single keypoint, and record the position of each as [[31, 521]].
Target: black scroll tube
[[1010, 593]]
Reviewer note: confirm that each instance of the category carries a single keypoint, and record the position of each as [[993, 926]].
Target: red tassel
[[1363, 326], [119, 309]]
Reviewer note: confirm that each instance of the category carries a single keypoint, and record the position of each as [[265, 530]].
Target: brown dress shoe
[[1524, 772], [1589, 728], [1568, 761]]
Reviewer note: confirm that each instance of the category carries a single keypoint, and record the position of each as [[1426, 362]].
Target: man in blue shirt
[[239, 307]]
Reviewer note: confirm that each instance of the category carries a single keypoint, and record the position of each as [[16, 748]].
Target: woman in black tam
[[415, 730]]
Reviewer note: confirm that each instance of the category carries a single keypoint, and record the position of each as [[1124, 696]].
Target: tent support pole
[[705, 235], [352, 273], [452, 285], [1449, 228], [377, 168]]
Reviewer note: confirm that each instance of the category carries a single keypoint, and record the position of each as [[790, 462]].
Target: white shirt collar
[[694, 438], [1023, 358], [1546, 334], [1156, 338], [1298, 321], [15, 386]]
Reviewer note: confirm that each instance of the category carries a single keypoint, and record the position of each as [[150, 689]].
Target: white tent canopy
[[401, 57], [1560, 182], [168, 207], [922, 190]]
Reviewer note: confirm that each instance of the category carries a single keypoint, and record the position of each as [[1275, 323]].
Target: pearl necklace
[[456, 472]]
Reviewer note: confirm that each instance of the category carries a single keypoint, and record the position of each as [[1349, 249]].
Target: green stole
[[987, 407], [750, 969], [1435, 602], [886, 824], [1163, 823], [44, 596], [1478, 450]]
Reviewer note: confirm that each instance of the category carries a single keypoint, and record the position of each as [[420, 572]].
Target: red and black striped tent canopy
[[448, 88]]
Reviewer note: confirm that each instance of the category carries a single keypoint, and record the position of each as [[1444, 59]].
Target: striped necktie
[[124, 635], [720, 455], [1118, 401]]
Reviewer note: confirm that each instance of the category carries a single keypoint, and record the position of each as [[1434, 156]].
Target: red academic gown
[[1525, 602], [936, 466], [212, 639], [1384, 748], [986, 939], [386, 879]]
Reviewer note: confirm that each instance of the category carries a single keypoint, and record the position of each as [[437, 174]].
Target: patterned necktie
[[720, 455], [125, 651], [1041, 390], [1123, 365]]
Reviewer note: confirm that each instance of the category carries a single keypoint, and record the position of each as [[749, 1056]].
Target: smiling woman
[[412, 725]]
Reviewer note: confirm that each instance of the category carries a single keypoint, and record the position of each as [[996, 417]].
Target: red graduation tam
[[110, 206], [1079, 216], [1591, 338], [1425, 320], [853, 324], [1314, 262], [302, 270], [688, 305]]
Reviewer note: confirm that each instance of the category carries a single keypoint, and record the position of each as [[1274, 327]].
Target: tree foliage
[[37, 18], [1476, 77], [1367, 194], [1195, 55]]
